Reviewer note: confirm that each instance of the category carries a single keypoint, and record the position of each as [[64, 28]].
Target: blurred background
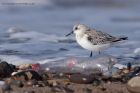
[[34, 30]]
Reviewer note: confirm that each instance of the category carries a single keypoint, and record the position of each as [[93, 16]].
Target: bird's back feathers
[[98, 37]]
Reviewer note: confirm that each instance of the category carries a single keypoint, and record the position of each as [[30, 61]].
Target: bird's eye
[[76, 28]]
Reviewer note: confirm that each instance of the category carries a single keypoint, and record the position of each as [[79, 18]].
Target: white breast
[[82, 41]]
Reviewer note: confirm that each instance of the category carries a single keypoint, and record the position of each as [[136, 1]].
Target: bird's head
[[78, 29]]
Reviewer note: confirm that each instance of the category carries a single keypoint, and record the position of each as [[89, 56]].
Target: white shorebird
[[92, 39]]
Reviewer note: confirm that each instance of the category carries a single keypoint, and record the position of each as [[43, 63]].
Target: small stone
[[25, 66], [133, 85], [31, 82], [52, 82], [46, 76], [2, 83], [61, 74], [56, 89], [81, 78], [132, 74], [126, 71], [87, 90], [102, 88], [38, 85], [96, 82], [29, 92], [27, 75], [61, 89], [6, 87], [14, 73], [17, 83], [42, 83]]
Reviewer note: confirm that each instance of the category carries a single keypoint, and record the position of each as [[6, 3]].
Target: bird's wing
[[98, 37]]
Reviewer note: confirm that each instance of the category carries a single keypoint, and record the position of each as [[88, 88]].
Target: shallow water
[[40, 31]]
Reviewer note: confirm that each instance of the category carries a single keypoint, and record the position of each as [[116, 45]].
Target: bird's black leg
[[91, 54], [99, 52]]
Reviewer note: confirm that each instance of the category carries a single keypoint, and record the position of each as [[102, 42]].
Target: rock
[[6, 87], [14, 73], [102, 88], [87, 90], [96, 82], [29, 92], [46, 76], [128, 76], [31, 83], [24, 66], [61, 89], [17, 83], [81, 78], [2, 83], [52, 82], [56, 89], [27, 75], [42, 83], [125, 71], [6, 69], [133, 85]]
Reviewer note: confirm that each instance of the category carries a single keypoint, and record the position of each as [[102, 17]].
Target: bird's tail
[[123, 38], [120, 39]]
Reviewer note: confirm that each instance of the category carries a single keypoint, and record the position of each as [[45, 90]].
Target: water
[[40, 31]]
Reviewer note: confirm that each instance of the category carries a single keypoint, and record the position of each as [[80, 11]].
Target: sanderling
[[92, 39]]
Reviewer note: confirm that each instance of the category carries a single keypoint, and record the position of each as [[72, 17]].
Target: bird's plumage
[[93, 39], [98, 37]]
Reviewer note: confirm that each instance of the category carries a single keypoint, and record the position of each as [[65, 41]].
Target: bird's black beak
[[69, 33]]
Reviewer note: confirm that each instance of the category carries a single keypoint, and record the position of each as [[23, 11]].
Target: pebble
[[87, 90], [133, 85], [31, 82], [81, 78], [46, 76], [14, 73], [61, 89], [42, 83], [29, 92], [24, 66], [27, 75], [2, 83], [102, 88], [17, 83], [96, 82], [52, 82], [6, 87], [6, 69]]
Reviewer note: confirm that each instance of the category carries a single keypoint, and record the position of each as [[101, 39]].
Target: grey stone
[[133, 85]]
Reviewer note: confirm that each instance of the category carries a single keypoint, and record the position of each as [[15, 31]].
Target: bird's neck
[[79, 35]]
